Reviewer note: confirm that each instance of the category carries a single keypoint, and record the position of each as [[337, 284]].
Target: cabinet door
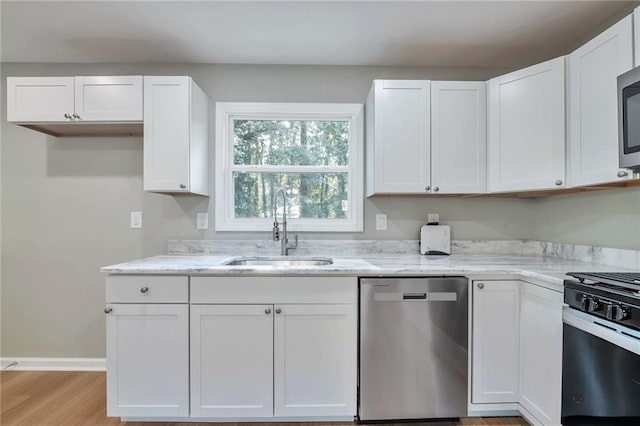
[[593, 104], [315, 360], [166, 133], [231, 361], [39, 99], [401, 136], [541, 353], [109, 98], [527, 128], [496, 330], [148, 360], [459, 137]]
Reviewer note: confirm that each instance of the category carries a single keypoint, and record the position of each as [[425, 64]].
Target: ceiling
[[505, 34]]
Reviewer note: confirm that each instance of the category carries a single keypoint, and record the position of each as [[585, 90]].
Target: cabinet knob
[[480, 286], [427, 188], [436, 189], [108, 310], [76, 116], [144, 290], [278, 311], [558, 182], [183, 186], [267, 311], [623, 173], [67, 116]]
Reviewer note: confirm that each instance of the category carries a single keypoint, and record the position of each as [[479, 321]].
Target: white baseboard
[[53, 364]]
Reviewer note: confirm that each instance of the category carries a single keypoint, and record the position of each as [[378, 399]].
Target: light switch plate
[[136, 220], [202, 220], [381, 222]]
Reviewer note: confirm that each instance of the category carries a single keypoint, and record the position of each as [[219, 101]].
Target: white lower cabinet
[[496, 330], [231, 360], [315, 360], [147, 360], [252, 357], [541, 354]]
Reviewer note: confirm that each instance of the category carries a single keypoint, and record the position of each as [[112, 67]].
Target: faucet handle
[[295, 243], [276, 231]]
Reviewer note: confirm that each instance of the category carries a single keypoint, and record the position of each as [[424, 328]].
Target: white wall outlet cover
[[202, 220], [433, 218], [136, 220], [381, 222]]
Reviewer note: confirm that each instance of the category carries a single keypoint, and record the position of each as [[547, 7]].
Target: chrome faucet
[[285, 246]]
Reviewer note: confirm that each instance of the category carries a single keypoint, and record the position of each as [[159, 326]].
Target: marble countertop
[[548, 269]]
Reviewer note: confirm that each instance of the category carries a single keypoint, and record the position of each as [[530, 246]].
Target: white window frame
[[226, 112]]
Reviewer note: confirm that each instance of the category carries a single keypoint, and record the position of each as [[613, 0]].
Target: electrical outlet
[[202, 220], [136, 220], [433, 218], [381, 222]]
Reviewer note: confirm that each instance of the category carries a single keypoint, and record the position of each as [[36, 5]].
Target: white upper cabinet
[[40, 99], [593, 105], [458, 137], [636, 35], [527, 128], [398, 137], [176, 136], [426, 137], [74, 99], [112, 98]]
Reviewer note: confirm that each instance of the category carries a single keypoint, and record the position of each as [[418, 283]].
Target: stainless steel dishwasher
[[413, 348]]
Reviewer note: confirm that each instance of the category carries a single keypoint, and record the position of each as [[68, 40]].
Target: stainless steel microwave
[[629, 119]]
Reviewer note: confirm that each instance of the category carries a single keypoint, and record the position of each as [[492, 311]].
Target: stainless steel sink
[[278, 261]]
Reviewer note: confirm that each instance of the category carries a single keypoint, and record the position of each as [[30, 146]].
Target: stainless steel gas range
[[601, 349]]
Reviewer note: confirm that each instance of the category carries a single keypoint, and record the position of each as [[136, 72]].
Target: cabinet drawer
[[272, 290], [147, 289]]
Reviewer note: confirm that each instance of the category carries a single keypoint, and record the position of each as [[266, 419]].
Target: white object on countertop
[[435, 239]]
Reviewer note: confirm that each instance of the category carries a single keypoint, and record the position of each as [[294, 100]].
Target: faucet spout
[[285, 246]]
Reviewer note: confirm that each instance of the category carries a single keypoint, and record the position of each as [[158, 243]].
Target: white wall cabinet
[[147, 333], [458, 137], [426, 137], [398, 137], [176, 136], [541, 353], [495, 340], [231, 360], [315, 360], [74, 99], [527, 128], [593, 105]]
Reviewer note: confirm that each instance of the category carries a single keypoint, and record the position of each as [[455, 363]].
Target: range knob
[[617, 312], [589, 304]]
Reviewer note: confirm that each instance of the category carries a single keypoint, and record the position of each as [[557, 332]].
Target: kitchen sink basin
[[278, 261]]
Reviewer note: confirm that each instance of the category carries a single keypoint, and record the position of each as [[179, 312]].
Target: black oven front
[[600, 371]]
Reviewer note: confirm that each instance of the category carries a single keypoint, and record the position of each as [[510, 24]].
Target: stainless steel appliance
[[601, 349], [629, 119], [413, 348]]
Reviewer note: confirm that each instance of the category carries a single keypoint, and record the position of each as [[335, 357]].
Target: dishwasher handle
[[414, 296], [445, 296]]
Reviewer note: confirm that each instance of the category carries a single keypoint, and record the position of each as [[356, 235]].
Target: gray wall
[[66, 202], [608, 218]]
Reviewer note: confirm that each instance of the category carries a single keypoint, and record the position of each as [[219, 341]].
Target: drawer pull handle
[[267, 311], [108, 310], [480, 286], [144, 290], [278, 311]]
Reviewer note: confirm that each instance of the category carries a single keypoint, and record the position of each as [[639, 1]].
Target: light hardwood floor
[[78, 398]]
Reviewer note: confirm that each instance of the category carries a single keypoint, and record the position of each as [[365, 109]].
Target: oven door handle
[[619, 336]]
